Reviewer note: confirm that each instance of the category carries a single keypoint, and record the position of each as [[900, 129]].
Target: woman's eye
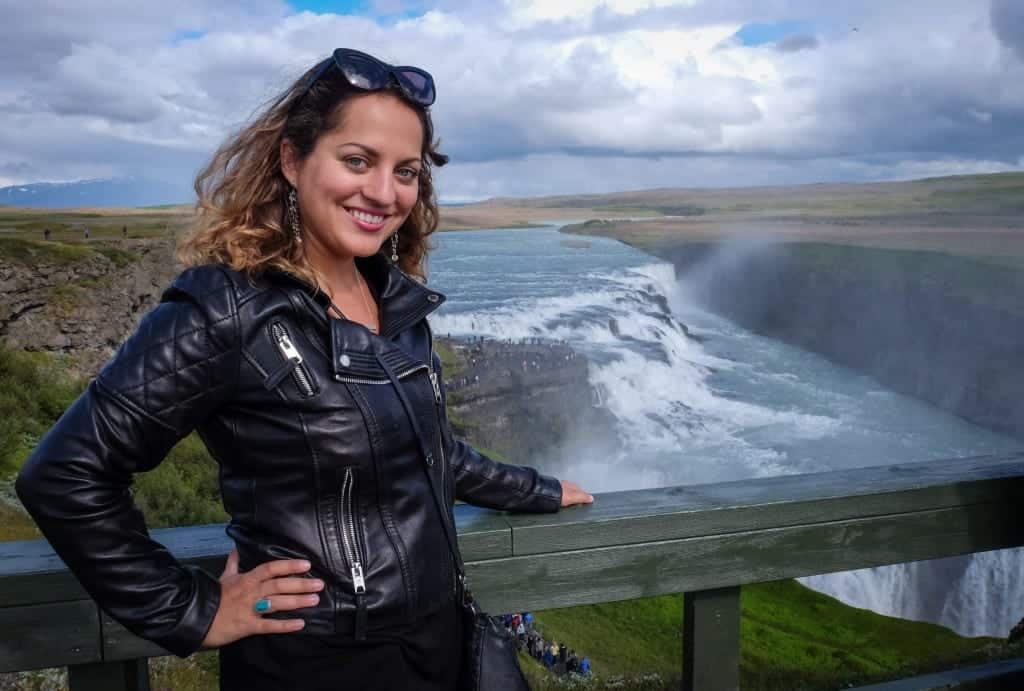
[[408, 173], [355, 162]]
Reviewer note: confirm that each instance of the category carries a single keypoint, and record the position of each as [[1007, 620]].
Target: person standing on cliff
[[297, 343]]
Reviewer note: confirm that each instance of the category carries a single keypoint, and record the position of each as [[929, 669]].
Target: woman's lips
[[367, 220]]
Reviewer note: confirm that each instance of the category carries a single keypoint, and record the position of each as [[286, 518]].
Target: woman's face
[[360, 182]]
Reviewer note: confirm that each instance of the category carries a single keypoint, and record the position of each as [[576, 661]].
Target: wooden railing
[[703, 540]]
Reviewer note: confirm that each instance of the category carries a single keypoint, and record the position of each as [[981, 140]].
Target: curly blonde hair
[[240, 212]]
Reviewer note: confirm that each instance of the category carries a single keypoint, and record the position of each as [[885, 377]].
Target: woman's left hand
[[574, 494]]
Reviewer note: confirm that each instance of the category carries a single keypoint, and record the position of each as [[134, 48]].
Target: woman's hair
[[240, 212]]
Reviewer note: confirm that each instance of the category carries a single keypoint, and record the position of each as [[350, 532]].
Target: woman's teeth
[[365, 217]]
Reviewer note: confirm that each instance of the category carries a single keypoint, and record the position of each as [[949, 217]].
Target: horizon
[[470, 202]]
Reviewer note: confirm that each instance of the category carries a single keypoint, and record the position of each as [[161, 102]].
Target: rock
[[83, 307], [531, 401]]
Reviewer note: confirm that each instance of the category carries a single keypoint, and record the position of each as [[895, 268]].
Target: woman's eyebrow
[[373, 153]]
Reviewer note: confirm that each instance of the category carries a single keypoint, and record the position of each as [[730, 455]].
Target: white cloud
[[521, 14], [535, 95]]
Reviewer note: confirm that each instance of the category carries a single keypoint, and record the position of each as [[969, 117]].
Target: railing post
[[127, 675], [711, 640]]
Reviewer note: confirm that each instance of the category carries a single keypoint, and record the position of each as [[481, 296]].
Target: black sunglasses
[[370, 74]]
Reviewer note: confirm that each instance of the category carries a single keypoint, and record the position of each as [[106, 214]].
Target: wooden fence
[[706, 541]]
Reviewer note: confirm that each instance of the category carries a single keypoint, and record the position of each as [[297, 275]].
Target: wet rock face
[[944, 329], [85, 308], [531, 401]]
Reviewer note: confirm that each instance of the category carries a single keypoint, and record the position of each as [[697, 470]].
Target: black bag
[[489, 659]]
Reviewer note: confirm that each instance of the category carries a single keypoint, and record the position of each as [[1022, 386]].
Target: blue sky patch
[[332, 6], [758, 34], [356, 7], [186, 35]]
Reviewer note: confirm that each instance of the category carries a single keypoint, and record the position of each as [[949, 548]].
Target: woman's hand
[[237, 616], [574, 494]]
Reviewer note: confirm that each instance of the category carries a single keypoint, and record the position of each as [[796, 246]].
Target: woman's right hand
[[236, 615]]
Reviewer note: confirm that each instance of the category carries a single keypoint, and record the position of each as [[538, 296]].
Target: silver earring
[[293, 215], [394, 247]]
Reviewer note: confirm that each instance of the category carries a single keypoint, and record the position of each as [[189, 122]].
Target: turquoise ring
[[262, 606]]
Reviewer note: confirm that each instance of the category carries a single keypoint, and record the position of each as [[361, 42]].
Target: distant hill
[[108, 192]]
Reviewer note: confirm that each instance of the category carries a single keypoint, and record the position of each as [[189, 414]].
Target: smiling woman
[[297, 345]]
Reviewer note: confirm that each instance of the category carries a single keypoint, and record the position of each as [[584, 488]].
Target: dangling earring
[[292, 212], [394, 247]]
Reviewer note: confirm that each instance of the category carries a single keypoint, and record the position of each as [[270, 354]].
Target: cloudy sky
[[536, 96]]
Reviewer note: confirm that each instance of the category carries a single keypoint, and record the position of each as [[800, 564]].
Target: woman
[[297, 345]]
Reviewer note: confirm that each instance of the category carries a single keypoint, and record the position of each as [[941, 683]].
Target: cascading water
[[697, 399]]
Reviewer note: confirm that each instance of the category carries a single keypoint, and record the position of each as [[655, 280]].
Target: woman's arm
[[482, 481], [173, 372]]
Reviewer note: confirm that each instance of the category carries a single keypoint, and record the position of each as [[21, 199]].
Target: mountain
[[120, 192]]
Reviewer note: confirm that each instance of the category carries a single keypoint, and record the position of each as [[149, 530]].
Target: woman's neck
[[338, 276]]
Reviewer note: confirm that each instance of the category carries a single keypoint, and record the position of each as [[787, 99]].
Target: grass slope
[[791, 638]]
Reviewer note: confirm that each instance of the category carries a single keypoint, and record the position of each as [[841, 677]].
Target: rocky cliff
[[945, 329], [81, 300], [530, 401]]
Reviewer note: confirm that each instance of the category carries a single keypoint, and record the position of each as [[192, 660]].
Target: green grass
[[450, 361], [35, 389], [120, 258], [16, 524], [183, 490], [791, 638], [31, 252]]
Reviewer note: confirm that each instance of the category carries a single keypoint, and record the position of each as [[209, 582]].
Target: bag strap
[[428, 455]]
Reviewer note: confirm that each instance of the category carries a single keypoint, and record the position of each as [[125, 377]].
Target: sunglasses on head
[[370, 74]]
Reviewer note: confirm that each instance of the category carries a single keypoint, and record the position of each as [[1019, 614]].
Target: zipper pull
[[357, 578], [288, 349], [437, 387]]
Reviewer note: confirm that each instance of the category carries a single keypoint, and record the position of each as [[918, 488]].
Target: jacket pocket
[[292, 363]]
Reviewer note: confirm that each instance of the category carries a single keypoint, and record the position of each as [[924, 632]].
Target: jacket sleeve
[[485, 482], [482, 481], [177, 368]]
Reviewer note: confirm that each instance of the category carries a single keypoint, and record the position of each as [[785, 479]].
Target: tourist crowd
[[560, 659]]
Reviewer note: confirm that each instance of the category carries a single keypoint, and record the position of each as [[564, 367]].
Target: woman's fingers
[[278, 626], [274, 586], [574, 494], [283, 603], [237, 615], [231, 566], [279, 567]]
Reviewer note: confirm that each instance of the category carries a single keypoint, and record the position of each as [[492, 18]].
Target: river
[[698, 399]]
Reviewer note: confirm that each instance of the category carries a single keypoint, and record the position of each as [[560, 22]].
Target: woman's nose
[[380, 187]]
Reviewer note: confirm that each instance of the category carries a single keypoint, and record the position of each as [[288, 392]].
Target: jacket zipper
[[293, 356], [400, 375], [349, 539], [353, 548], [440, 430]]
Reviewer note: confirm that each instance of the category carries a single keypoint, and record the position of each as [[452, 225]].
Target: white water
[[732, 405]]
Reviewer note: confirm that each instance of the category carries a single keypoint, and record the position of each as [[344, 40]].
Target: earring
[[394, 247], [292, 211]]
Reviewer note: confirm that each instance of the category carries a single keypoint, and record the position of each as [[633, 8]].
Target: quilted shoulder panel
[[182, 361]]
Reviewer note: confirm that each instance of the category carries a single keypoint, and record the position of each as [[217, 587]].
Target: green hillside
[[791, 638]]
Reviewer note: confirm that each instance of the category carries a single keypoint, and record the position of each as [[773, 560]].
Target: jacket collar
[[402, 300]]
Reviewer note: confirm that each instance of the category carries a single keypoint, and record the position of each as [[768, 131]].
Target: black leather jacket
[[310, 420]]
